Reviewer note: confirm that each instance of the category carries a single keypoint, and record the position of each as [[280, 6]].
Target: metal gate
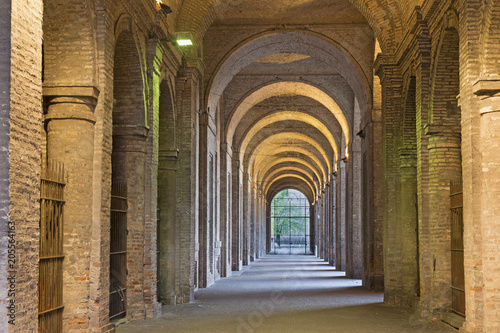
[[290, 222], [50, 279], [118, 252], [457, 248]]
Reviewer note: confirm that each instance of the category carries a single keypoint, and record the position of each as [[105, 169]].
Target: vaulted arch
[[287, 88], [290, 115], [307, 43]]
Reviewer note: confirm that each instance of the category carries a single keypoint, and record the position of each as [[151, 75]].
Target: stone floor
[[285, 294]]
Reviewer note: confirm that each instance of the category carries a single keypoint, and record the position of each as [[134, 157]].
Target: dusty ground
[[285, 294]]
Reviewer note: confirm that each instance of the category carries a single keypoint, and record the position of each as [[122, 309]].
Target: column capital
[[488, 90], [71, 102], [385, 65]]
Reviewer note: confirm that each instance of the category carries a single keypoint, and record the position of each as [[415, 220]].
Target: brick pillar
[[331, 222], [321, 228], [253, 222], [409, 226], [246, 218], [167, 181], [392, 83], [340, 219], [355, 267], [237, 223], [444, 166], [480, 105], [312, 229], [187, 186], [481, 198], [70, 139], [267, 214], [376, 206], [324, 224], [129, 165], [225, 210]]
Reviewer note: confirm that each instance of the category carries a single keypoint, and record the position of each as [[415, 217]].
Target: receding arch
[[297, 150], [289, 115], [446, 80], [287, 176], [283, 89], [283, 184], [286, 135], [266, 180], [309, 43], [383, 17], [289, 160]]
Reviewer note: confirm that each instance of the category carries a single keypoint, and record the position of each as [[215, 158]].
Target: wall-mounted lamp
[[346, 158], [166, 9], [180, 38]]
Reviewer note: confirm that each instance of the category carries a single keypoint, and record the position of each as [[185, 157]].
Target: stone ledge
[[453, 319]]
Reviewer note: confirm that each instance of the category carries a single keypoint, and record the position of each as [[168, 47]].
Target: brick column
[[482, 209], [340, 219], [324, 223], [225, 210], [355, 267], [129, 165], [392, 83], [187, 185], [166, 229], [409, 226], [376, 207], [331, 222], [253, 222], [70, 139], [444, 166], [246, 218], [237, 223], [321, 227]]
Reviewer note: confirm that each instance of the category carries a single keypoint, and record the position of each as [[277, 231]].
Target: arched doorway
[[290, 223]]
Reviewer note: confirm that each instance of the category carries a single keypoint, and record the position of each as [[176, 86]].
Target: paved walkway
[[285, 294]]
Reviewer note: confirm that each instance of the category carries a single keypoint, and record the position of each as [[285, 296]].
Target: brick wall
[[22, 111]]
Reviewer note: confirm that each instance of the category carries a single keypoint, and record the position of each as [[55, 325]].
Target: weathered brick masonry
[[368, 107]]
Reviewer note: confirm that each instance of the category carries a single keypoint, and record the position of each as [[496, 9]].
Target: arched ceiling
[[291, 115], [386, 17], [290, 145], [287, 89]]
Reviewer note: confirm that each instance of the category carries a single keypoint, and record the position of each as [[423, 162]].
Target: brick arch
[[280, 161], [409, 114], [284, 169], [490, 36], [289, 177], [70, 51], [128, 88], [167, 119], [281, 89], [263, 161], [445, 79], [269, 141], [383, 16], [288, 115], [302, 42], [284, 184]]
